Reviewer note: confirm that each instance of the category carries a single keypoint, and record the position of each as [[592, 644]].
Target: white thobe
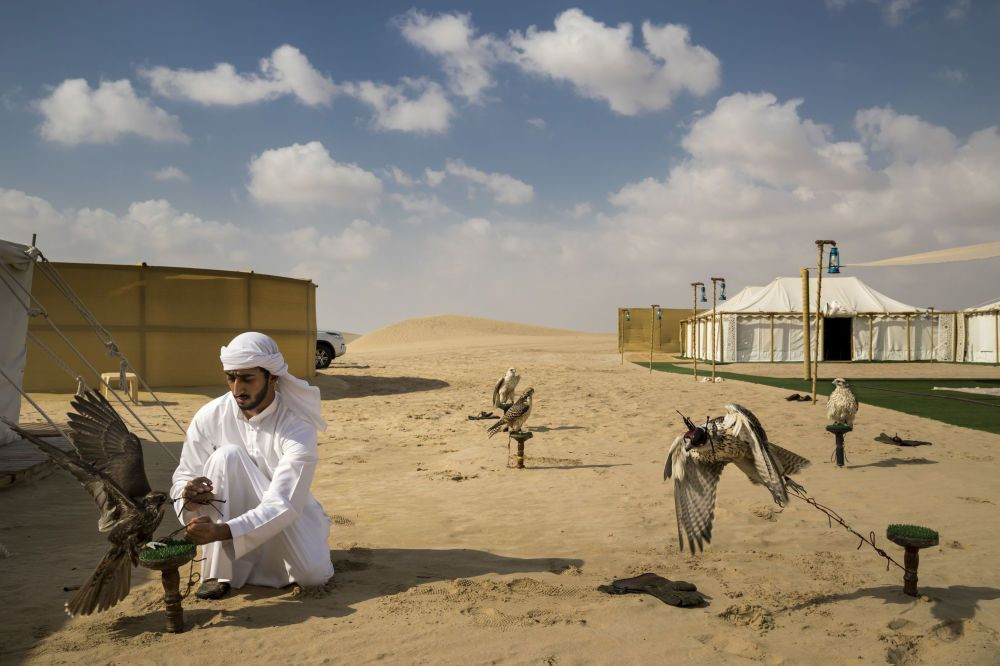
[[262, 467]]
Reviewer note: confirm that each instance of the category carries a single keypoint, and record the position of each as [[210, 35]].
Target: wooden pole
[[772, 338], [715, 333], [652, 330], [819, 314], [806, 368], [694, 324], [908, 354], [996, 337], [871, 337]]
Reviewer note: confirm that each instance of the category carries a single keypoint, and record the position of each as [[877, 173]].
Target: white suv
[[329, 345]]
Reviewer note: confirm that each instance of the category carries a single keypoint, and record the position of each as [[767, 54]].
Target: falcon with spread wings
[[107, 461], [504, 389], [696, 460]]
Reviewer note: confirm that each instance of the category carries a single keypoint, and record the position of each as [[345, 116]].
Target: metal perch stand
[[520, 437]]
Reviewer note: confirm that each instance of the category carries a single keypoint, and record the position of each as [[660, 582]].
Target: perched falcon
[[504, 390], [841, 406], [108, 462], [516, 415], [697, 458]]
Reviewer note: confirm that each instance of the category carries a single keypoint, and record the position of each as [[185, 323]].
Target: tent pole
[[772, 338], [806, 368], [871, 336], [996, 336], [908, 355]]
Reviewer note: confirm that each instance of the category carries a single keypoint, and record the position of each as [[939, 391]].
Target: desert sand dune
[[446, 555]]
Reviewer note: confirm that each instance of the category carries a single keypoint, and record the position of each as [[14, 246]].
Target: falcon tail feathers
[[495, 428], [791, 463], [109, 584]]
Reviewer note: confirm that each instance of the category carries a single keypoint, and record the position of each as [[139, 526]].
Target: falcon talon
[[155, 544]]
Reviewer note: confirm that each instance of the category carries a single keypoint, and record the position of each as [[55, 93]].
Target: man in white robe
[[254, 448]]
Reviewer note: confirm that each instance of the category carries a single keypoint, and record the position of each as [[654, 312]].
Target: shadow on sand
[[895, 462], [555, 428], [953, 604], [360, 386], [361, 574]]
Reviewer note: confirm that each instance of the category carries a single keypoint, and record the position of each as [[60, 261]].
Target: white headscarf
[[253, 350]]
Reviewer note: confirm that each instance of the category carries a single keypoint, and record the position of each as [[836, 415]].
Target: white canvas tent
[[15, 281], [764, 324], [982, 333]]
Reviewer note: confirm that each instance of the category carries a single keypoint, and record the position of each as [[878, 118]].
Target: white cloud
[[466, 59], [537, 123], [934, 190], [434, 178], [152, 231], [957, 10], [601, 62], [354, 243], [896, 11], [171, 173], [906, 138], [422, 207], [305, 175], [505, 189], [75, 113], [401, 177], [769, 142], [951, 75], [428, 112], [580, 210], [286, 72]]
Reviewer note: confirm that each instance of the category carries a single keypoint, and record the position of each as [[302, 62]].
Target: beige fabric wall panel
[[169, 322], [276, 303], [199, 300], [112, 293]]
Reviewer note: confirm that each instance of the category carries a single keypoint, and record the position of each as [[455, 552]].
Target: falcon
[[107, 460], [515, 417], [696, 460], [842, 406], [504, 389]]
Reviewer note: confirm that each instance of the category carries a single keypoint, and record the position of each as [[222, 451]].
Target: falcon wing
[[102, 439], [695, 486], [516, 411], [748, 428], [496, 391], [113, 502]]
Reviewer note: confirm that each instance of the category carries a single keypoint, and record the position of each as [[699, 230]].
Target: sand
[[445, 555]]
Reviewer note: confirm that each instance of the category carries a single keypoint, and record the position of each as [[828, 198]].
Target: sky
[[538, 162]]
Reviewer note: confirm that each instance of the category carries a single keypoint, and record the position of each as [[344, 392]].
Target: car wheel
[[324, 355]]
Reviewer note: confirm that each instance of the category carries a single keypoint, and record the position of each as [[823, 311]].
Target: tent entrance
[[837, 338]]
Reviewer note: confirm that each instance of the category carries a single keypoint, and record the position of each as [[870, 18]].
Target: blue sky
[[539, 162]]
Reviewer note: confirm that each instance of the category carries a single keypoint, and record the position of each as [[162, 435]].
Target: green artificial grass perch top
[[911, 532], [172, 549]]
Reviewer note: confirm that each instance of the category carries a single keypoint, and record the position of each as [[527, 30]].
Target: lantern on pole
[[834, 262], [703, 299], [628, 315], [722, 288]]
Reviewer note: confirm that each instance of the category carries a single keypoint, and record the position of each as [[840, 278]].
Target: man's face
[[249, 386]]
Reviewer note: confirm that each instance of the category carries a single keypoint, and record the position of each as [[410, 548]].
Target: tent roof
[[841, 295], [985, 307]]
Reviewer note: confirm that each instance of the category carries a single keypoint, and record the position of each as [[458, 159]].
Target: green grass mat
[[172, 548], [910, 396], [911, 532]]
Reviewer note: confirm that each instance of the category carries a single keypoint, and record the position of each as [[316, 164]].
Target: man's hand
[[202, 530], [198, 490]]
